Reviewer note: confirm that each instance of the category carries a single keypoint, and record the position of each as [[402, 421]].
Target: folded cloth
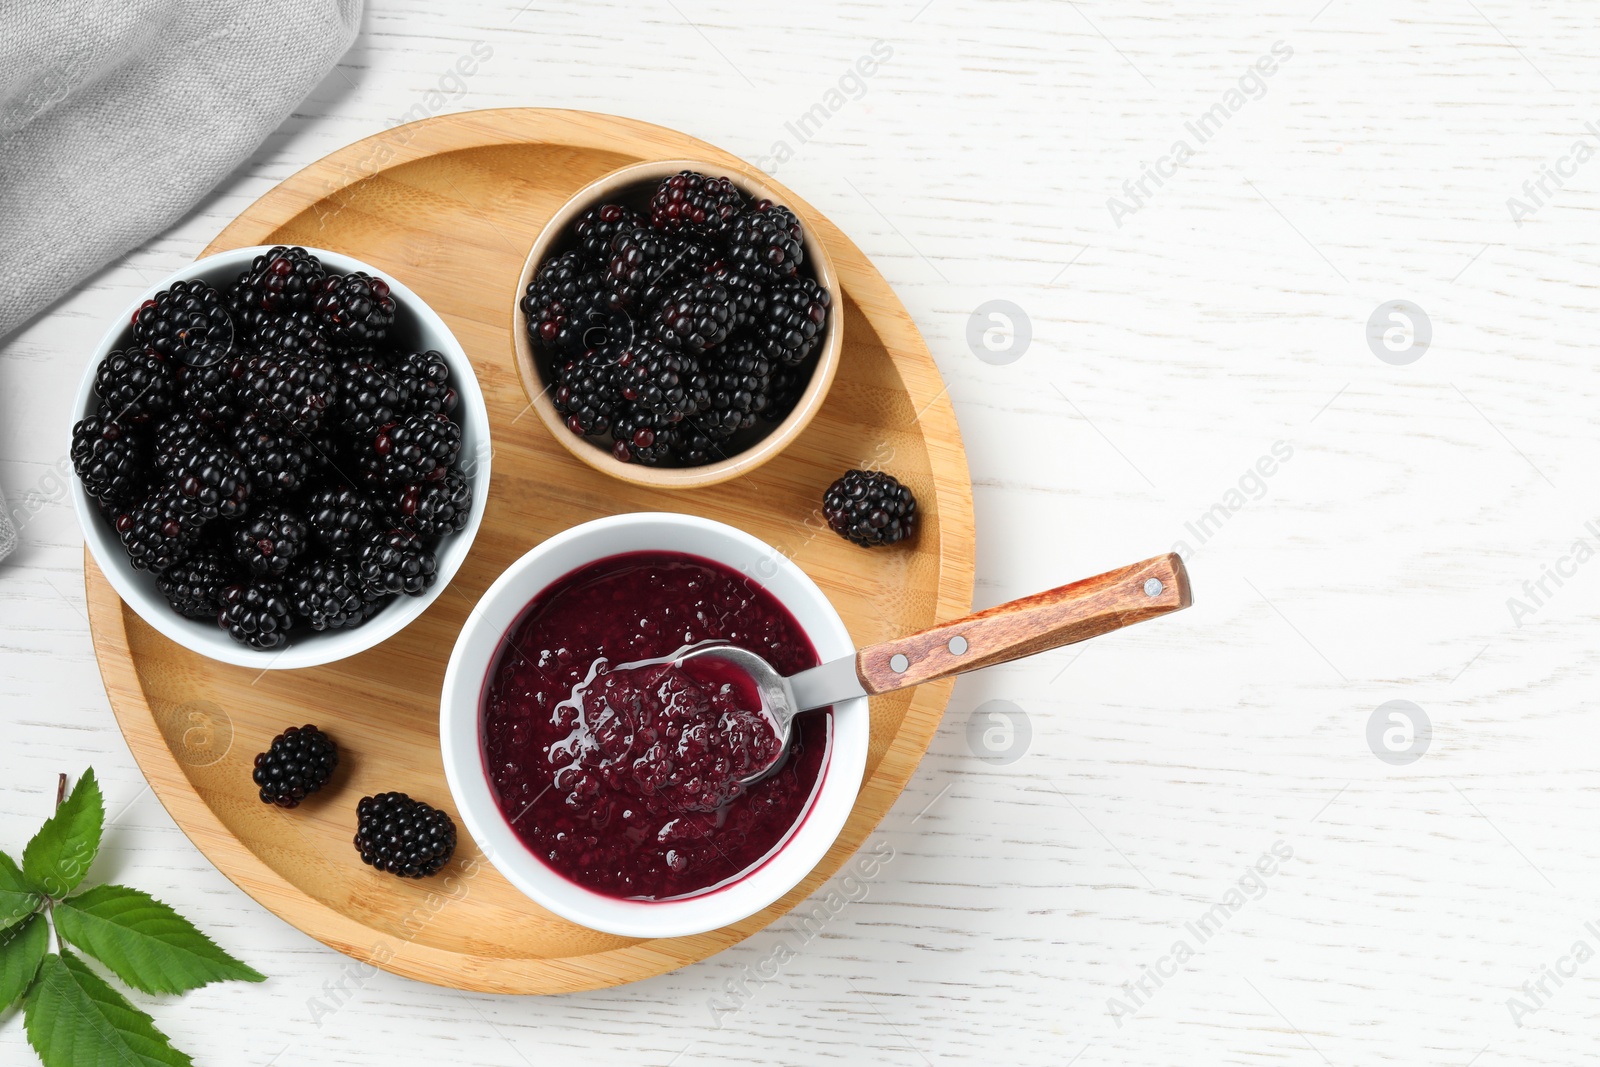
[[115, 118]]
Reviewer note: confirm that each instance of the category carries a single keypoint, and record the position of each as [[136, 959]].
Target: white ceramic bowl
[[460, 730], [415, 324]]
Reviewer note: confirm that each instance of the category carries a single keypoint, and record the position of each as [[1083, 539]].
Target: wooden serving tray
[[451, 206]]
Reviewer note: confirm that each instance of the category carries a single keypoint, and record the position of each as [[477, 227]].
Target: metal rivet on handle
[[957, 645], [898, 663], [1153, 587]]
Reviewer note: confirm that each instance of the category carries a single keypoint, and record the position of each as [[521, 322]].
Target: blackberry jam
[[621, 769]]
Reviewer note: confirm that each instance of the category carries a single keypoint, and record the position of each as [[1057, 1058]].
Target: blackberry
[[397, 561], [797, 312], [640, 437], [330, 595], [568, 308], [354, 308], [270, 541], [870, 508], [156, 534], [210, 482], [293, 391], [297, 332], [340, 520], [697, 315], [275, 461], [423, 380], [694, 202], [110, 459], [134, 385], [411, 449], [177, 440], [194, 587], [784, 392], [598, 227], [403, 836], [765, 243], [256, 614], [209, 390], [584, 393], [435, 508], [654, 377], [277, 281], [749, 295], [187, 323], [645, 264], [735, 401], [692, 446], [369, 397]]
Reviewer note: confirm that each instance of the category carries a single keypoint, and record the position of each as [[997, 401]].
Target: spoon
[[1034, 624]]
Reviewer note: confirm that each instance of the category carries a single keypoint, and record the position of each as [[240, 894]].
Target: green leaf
[[59, 855], [21, 949], [17, 901], [144, 942], [74, 1019]]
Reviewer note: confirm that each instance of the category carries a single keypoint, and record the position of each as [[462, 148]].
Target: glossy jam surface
[[620, 768]]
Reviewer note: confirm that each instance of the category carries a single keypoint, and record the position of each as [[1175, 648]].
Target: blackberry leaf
[[144, 942], [22, 949], [74, 1018], [58, 857], [17, 901]]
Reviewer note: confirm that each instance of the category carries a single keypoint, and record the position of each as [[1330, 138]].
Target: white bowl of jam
[[602, 779]]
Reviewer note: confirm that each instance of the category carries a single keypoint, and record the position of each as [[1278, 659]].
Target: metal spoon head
[[777, 698]]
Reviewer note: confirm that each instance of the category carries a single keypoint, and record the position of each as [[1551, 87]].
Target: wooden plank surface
[[1168, 357]]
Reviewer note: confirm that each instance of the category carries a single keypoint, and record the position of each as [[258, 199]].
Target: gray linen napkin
[[116, 118]]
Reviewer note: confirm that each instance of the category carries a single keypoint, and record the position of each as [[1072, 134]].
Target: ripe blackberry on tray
[[870, 508], [298, 763], [403, 836], [256, 613], [112, 460], [670, 328]]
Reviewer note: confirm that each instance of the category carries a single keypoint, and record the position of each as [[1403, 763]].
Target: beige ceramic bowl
[[632, 185]]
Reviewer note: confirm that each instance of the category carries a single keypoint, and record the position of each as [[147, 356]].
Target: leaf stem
[[61, 788]]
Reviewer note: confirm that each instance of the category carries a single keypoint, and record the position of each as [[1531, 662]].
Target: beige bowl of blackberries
[[677, 324]]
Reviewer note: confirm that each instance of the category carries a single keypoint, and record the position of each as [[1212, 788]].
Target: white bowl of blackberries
[[282, 456], [678, 323]]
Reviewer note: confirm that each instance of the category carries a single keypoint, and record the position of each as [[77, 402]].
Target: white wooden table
[[1064, 880]]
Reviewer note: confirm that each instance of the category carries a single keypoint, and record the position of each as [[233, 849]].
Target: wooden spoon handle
[[1062, 616]]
